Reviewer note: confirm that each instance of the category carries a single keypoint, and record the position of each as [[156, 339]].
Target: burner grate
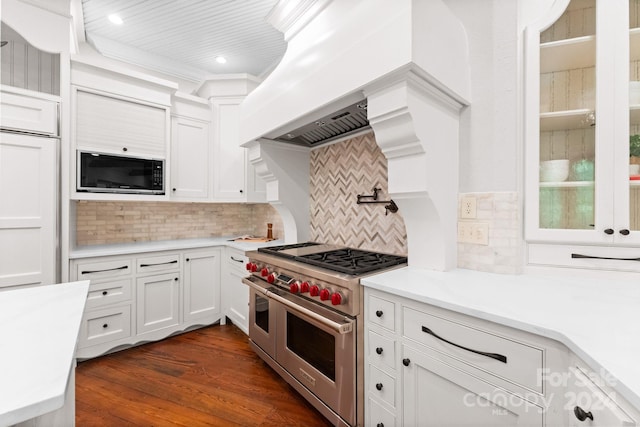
[[352, 261]]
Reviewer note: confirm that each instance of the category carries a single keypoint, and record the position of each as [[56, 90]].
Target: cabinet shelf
[[563, 120], [567, 184], [569, 54]]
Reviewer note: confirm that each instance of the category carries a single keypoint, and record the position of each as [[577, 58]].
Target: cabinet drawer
[[382, 385], [105, 293], [154, 264], [382, 351], [522, 364], [24, 113], [382, 312], [237, 261], [379, 415], [105, 325], [104, 269]]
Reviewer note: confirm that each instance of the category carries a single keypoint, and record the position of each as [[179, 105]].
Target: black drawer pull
[[104, 292], [603, 257], [175, 261], [581, 414], [236, 260], [379, 350], [105, 326], [496, 356], [379, 313], [379, 386], [124, 267], [379, 425], [406, 362]]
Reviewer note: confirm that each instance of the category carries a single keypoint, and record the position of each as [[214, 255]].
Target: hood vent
[[336, 125]]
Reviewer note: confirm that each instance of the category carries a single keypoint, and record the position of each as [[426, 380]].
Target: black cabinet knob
[[241, 191], [104, 292], [608, 231], [379, 425], [173, 189], [176, 279], [124, 148], [187, 260], [581, 414], [379, 386], [105, 326], [406, 362], [379, 313], [379, 350], [624, 232]]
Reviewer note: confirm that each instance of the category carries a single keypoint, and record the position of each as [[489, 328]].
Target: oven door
[[320, 352], [262, 319]]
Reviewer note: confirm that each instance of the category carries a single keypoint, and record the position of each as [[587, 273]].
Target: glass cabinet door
[[567, 140], [634, 115]]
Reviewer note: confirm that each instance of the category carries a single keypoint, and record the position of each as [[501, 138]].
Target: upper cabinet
[[582, 110]]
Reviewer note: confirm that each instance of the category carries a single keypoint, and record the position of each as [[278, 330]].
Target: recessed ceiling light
[[221, 60], [115, 19]]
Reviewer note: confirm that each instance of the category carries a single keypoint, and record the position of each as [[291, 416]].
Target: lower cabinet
[[438, 394], [147, 296], [428, 366], [236, 293]]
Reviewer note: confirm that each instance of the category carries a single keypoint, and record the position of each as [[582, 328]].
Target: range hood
[[339, 124], [392, 54]]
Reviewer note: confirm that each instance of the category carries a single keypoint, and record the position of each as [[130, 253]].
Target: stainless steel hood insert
[[336, 125]]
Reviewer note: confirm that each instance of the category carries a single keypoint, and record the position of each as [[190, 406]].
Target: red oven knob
[[314, 291], [264, 272], [336, 298], [294, 288], [271, 278], [304, 287], [325, 294], [252, 267]]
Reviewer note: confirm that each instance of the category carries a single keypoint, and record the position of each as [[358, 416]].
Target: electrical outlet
[[468, 207], [465, 231], [480, 233]]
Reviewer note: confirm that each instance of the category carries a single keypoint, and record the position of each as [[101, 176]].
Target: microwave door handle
[[341, 328]]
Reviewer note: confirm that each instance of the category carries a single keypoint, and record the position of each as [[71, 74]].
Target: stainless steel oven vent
[[336, 125]]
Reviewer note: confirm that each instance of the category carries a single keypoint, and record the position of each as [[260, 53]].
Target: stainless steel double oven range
[[306, 320]]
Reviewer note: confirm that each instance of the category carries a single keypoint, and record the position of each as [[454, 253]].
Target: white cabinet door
[[189, 159], [590, 405], [119, 126], [229, 164], [439, 395], [158, 302], [201, 285], [24, 113], [28, 189]]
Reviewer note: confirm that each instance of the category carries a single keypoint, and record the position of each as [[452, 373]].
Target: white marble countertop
[[165, 245], [599, 320], [39, 329]]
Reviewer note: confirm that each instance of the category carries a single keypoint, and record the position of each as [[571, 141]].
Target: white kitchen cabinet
[[24, 113], [158, 302], [190, 162], [438, 394], [113, 124], [28, 210], [427, 366], [201, 286], [236, 293], [234, 178], [146, 296], [582, 105]]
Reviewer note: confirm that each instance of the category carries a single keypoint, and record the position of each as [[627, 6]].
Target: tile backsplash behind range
[[339, 172], [99, 222]]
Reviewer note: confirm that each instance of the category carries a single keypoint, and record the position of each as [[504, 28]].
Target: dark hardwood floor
[[206, 377]]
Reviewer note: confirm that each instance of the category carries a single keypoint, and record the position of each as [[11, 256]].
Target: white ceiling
[[182, 38]]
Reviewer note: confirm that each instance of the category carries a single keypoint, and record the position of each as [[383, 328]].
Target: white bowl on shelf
[[554, 170]]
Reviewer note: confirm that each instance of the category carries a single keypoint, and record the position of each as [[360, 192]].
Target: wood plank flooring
[[206, 377]]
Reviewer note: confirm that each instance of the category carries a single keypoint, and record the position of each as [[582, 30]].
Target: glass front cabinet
[[582, 135]]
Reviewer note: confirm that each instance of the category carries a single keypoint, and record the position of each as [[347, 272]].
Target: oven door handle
[[341, 328]]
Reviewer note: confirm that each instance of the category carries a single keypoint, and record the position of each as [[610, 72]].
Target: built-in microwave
[[109, 173]]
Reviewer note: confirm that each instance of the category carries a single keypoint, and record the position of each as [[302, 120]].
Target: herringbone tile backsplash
[[340, 172]]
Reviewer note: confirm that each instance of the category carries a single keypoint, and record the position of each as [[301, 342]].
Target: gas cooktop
[[335, 257]]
